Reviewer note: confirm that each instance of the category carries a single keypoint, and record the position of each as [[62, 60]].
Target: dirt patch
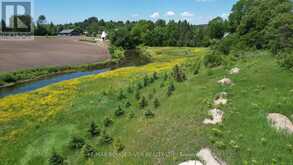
[[235, 71], [42, 52], [225, 81]]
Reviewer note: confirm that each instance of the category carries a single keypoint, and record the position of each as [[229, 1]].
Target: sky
[[195, 11]]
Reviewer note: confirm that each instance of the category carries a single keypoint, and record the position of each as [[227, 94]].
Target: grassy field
[[33, 125]]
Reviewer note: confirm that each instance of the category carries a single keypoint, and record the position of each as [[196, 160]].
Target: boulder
[[280, 122], [225, 81], [207, 157], [216, 117], [235, 71], [191, 162]]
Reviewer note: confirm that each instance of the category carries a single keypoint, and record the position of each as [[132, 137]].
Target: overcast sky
[[195, 11]]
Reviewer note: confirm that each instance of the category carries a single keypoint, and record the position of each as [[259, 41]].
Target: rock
[[235, 71], [280, 122], [220, 99], [216, 115], [206, 156], [225, 81], [191, 162]]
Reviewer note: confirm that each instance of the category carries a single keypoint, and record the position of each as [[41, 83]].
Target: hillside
[[167, 131]]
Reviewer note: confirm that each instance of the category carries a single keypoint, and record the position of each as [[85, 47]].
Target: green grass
[[176, 132]]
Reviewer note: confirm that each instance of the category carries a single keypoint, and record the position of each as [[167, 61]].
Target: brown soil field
[[43, 52]]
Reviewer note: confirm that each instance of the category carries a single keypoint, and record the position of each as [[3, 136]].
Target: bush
[[56, 159], [8, 78], [117, 52], [121, 95], [213, 60], [94, 130], [77, 143], [155, 76], [137, 95], [119, 112], [89, 151]]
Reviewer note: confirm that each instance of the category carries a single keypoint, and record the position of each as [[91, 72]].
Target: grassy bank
[[165, 133]]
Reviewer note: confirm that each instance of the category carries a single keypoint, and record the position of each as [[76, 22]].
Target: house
[[104, 36], [69, 32]]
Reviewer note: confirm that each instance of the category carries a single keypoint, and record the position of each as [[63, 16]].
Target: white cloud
[[170, 13], [155, 15], [187, 14], [135, 15]]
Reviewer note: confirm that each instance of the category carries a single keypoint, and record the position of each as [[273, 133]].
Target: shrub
[[77, 143], [119, 112], [213, 60], [143, 103], [8, 78], [89, 151], [117, 52], [108, 122], [149, 114], [94, 130], [56, 159], [156, 103]]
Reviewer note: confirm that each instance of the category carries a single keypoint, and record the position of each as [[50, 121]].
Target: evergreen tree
[[143, 103], [156, 103], [108, 122], [77, 143], [56, 159], [178, 74], [94, 130], [171, 89], [89, 151]]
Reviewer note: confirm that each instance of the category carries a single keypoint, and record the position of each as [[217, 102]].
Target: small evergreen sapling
[[94, 130], [171, 89], [156, 103], [76, 143], [89, 151], [108, 122], [56, 159], [143, 103]]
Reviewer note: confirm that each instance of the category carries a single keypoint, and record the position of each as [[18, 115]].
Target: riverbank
[[10, 79]]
